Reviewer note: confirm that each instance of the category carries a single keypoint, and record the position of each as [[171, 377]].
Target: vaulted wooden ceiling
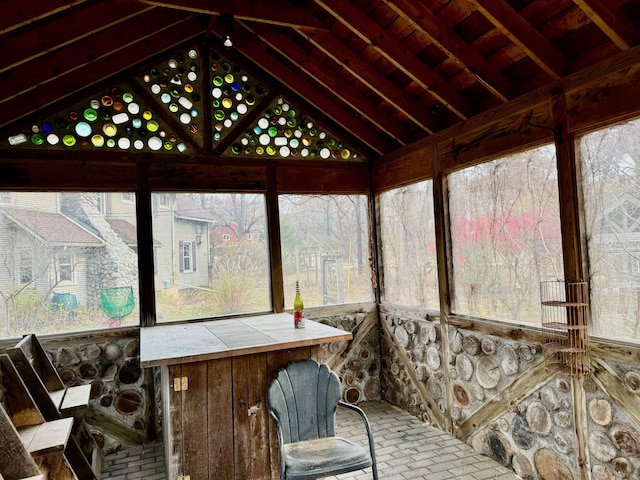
[[388, 72]]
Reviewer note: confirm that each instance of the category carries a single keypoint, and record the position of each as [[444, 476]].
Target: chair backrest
[[303, 398]]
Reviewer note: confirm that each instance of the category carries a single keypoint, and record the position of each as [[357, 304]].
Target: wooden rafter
[[275, 13], [455, 47], [385, 88], [314, 68], [79, 55], [523, 34], [79, 24], [611, 21], [257, 51], [404, 60], [70, 81], [18, 14]]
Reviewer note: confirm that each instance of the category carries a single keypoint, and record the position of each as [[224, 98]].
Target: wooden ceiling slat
[[314, 68], [453, 46], [615, 24], [18, 14], [372, 33], [523, 34], [383, 72], [275, 13], [27, 44], [79, 55], [257, 51], [100, 69], [616, 63], [385, 88]]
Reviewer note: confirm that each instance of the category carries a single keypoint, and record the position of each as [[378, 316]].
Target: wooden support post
[[569, 196], [445, 281]]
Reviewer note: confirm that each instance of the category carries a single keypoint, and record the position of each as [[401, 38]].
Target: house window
[[101, 204], [504, 218], [611, 191], [65, 267], [163, 200], [325, 246], [216, 276], [186, 256], [408, 246], [25, 265], [127, 197]]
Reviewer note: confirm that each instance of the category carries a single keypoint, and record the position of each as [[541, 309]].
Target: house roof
[[188, 209], [127, 232], [53, 228], [385, 73]]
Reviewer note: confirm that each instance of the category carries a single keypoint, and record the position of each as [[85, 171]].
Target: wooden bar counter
[[214, 381]]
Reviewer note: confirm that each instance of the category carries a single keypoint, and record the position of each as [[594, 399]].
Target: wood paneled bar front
[[214, 380]]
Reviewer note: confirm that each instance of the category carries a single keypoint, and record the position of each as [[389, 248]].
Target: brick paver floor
[[406, 449]]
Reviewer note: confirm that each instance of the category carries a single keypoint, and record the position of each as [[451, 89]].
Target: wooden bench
[[31, 447], [55, 401]]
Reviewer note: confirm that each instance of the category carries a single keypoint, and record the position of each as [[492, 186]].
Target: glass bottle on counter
[[298, 307]]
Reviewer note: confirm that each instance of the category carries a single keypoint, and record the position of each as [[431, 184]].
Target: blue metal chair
[[302, 398]]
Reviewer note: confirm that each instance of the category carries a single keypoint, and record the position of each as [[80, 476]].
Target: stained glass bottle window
[[112, 119], [164, 107], [285, 132], [176, 82], [233, 94]]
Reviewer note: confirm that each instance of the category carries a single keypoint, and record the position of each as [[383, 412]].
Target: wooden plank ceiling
[[389, 72]]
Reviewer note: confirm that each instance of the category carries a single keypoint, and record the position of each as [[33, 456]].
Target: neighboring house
[[223, 234], [179, 221], [78, 244], [617, 233], [45, 257]]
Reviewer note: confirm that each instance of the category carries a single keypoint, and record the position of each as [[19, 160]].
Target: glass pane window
[[325, 246], [59, 253], [25, 265], [408, 245], [611, 181], [65, 267], [505, 234], [208, 262]]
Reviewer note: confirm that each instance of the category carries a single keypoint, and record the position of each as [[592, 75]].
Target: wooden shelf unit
[[565, 323]]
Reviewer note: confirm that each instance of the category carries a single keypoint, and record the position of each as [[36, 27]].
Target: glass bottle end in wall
[[298, 307]]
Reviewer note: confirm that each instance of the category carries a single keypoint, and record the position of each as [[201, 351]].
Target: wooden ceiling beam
[[18, 14], [382, 86], [524, 35], [347, 93], [257, 51], [369, 31], [275, 13], [615, 25], [27, 44], [110, 63], [81, 54], [453, 46], [527, 102]]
